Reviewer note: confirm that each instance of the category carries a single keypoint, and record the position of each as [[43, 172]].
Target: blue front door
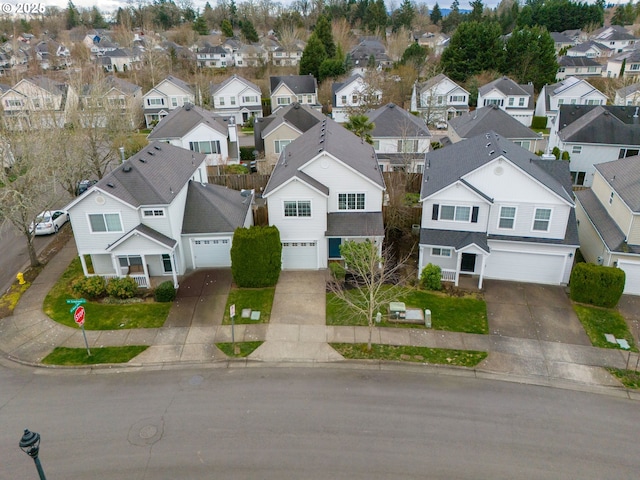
[[334, 247]]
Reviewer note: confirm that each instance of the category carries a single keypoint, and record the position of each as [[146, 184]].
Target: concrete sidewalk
[[297, 334]]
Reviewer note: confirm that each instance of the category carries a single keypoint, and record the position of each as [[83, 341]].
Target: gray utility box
[[427, 318]]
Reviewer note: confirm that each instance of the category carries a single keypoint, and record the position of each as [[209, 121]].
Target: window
[[542, 219], [628, 152], [233, 99], [591, 69], [405, 146], [576, 149], [351, 201], [376, 145], [280, 144], [166, 263], [36, 102], [574, 101], [221, 101], [128, 261], [493, 101], [174, 102], [560, 101], [634, 66], [105, 222], [561, 69], [208, 146], [13, 103], [526, 144], [440, 252], [457, 98], [507, 217], [343, 99], [594, 102], [521, 102], [611, 198], [578, 178], [297, 208], [439, 100], [354, 99], [158, 212], [250, 99], [154, 102], [511, 101], [455, 213], [283, 101]]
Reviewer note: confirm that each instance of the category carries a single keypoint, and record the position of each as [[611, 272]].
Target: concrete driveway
[[537, 312], [629, 307]]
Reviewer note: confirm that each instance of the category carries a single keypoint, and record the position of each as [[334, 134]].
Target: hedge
[[256, 256], [539, 122], [596, 284], [246, 153]]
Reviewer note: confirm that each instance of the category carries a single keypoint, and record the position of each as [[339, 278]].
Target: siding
[[617, 209], [591, 246]]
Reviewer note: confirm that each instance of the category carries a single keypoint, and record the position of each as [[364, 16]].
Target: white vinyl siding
[[541, 220]]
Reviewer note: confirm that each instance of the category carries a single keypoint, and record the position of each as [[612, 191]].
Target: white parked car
[[49, 222]]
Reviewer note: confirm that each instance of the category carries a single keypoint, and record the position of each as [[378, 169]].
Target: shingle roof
[[567, 61], [624, 176], [628, 90], [453, 238], [585, 46], [490, 118], [327, 136], [48, 84], [560, 37], [148, 231], [347, 224], [447, 165], [605, 225], [393, 121], [302, 117], [182, 120], [298, 84], [180, 83], [216, 87], [599, 124], [506, 86], [108, 83], [214, 209], [153, 176]]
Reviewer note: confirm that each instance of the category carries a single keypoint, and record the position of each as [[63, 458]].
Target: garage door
[[211, 252], [299, 256], [632, 274], [525, 267]]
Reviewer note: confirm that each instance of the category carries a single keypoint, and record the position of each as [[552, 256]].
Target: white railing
[[141, 280], [448, 275]]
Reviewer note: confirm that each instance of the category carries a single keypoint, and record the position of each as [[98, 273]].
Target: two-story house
[[616, 37], [169, 94], [629, 95], [199, 130], [325, 189], [111, 99], [439, 99], [590, 49], [250, 56], [214, 57], [352, 95], [370, 53], [287, 89], [516, 100], [486, 119], [120, 59], [287, 56], [561, 41], [156, 216], [593, 134], [570, 91], [626, 64], [400, 139], [492, 209], [578, 67], [237, 97], [609, 219]]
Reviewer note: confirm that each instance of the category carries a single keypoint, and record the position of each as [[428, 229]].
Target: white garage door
[[525, 267], [211, 252], [632, 277], [299, 256]]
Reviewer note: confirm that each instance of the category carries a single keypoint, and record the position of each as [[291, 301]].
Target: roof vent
[[150, 153], [296, 106], [606, 112], [142, 160], [492, 152], [187, 106], [111, 185], [126, 168], [157, 147], [488, 145], [320, 150]]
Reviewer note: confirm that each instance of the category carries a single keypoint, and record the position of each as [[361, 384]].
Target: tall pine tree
[[312, 57]]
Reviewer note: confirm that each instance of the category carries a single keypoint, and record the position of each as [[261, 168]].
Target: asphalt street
[[14, 253], [311, 423]]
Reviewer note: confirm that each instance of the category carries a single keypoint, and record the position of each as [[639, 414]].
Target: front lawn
[[255, 299], [629, 378], [244, 348], [454, 314], [78, 356], [440, 356], [598, 321], [101, 316]]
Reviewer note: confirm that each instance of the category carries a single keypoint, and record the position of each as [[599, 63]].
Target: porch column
[[84, 265], [458, 264], [173, 270], [146, 271], [116, 265], [484, 261]]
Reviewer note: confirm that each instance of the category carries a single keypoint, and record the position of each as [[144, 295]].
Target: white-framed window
[[611, 197], [105, 222], [628, 152], [440, 252], [250, 99], [343, 100], [278, 145], [511, 101], [457, 98], [153, 212], [521, 102], [523, 143], [591, 69], [455, 213], [578, 177], [507, 218], [354, 99], [232, 99], [309, 99], [376, 145], [297, 208], [576, 149], [221, 101], [166, 263], [283, 100], [174, 101], [155, 102], [560, 101], [13, 103], [351, 201], [541, 219], [634, 66], [493, 101], [594, 102], [129, 260], [439, 100], [208, 146], [407, 146]]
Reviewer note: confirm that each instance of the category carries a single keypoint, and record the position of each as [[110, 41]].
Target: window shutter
[[434, 214], [474, 214]]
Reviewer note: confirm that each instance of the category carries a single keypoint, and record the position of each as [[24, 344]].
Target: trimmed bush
[[236, 169], [539, 122], [122, 287], [596, 285], [256, 257], [337, 271], [246, 153], [565, 155], [431, 277], [165, 292], [90, 287]]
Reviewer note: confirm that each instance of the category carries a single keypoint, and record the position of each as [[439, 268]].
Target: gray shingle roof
[[218, 86], [490, 118], [453, 238], [567, 61], [182, 120], [393, 121], [180, 83], [605, 225], [214, 209], [153, 176], [298, 84], [599, 124], [335, 86], [506, 86], [345, 224], [336, 140], [302, 117], [624, 176], [447, 165], [560, 37], [628, 90], [149, 232], [585, 46]]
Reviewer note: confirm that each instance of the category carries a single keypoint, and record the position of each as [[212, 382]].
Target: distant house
[[288, 89], [436, 41], [250, 56], [369, 53], [52, 55], [590, 49], [578, 67], [214, 57], [120, 59], [609, 219], [400, 139], [627, 64], [169, 94], [516, 100], [350, 95], [492, 118], [287, 56], [439, 99], [615, 37], [629, 95], [111, 95], [570, 91], [561, 41], [237, 97]]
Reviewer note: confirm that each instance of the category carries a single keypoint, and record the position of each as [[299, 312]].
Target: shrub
[[556, 152], [246, 153], [565, 155], [236, 168], [596, 284], [337, 271], [431, 277], [165, 292], [122, 287], [256, 257], [539, 122], [90, 287]]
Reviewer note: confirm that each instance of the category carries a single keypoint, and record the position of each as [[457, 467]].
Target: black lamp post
[[30, 444]]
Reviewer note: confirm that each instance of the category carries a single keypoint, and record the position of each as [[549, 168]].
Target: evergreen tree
[[477, 8], [436, 14], [403, 16], [415, 55], [530, 57], [73, 16], [323, 32], [227, 28], [97, 20], [233, 13], [312, 57], [451, 21], [331, 68], [361, 126], [200, 26], [376, 17], [248, 31], [209, 15]]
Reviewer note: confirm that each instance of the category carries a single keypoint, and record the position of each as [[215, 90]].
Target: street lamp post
[[30, 444]]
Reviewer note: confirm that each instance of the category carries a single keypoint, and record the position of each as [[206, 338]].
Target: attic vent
[[296, 106], [492, 152], [111, 185], [487, 136], [157, 147], [187, 106], [126, 168], [150, 153], [322, 140], [142, 160], [319, 150], [488, 145], [606, 112]]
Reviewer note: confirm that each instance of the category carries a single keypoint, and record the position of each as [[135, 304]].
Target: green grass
[[629, 378], [598, 321], [78, 356], [101, 316], [260, 299], [247, 130], [454, 314], [440, 356], [245, 348]]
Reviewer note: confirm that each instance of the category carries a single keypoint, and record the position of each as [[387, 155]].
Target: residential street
[[309, 423], [14, 253]]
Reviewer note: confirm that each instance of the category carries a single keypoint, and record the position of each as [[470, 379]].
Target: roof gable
[[182, 120], [599, 124], [393, 121], [214, 209], [623, 176], [297, 84], [490, 118], [505, 86]]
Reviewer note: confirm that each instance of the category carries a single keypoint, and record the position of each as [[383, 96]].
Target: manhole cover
[[196, 380], [146, 432]]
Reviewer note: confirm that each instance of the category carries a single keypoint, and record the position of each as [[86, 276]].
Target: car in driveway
[[49, 221]]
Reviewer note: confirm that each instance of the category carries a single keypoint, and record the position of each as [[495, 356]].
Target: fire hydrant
[[20, 277]]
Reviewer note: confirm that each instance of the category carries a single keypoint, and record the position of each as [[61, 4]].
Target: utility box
[[427, 318]]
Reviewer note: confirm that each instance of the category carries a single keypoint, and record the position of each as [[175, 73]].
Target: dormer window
[[151, 213]]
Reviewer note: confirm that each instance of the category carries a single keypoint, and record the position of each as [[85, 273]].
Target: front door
[[468, 263], [334, 247]]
